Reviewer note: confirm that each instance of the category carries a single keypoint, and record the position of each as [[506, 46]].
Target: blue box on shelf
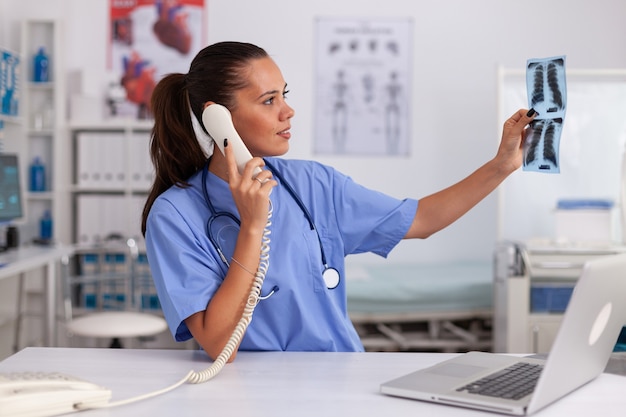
[[550, 297]]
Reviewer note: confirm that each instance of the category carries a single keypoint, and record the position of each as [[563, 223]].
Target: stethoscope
[[329, 274]]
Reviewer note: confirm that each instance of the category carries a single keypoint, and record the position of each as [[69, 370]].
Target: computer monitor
[[10, 189]]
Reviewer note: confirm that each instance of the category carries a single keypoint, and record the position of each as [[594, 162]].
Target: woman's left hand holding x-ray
[[514, 132]]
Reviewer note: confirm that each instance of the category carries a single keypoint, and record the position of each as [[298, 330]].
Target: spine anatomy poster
[[363, 86]]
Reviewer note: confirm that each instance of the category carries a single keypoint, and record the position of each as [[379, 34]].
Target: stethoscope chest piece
[[222, 228], [331, 277]]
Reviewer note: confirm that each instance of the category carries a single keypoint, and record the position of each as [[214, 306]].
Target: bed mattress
[[420, 288]]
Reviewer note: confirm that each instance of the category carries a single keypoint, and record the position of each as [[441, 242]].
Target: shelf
[[110, 191], [13, 120], [112, 174], [40, 86], [544, 316], [33, 133], [112, 125], [40, 195]]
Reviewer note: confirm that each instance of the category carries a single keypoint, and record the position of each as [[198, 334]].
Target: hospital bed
[[443, 307]]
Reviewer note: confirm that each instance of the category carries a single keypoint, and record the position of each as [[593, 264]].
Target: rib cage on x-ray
[[541, 141], [545, 79]]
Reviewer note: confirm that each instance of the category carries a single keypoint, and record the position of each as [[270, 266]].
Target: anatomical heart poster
[[149, 39]]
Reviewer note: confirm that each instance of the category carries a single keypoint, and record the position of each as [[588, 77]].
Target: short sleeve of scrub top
[[303, 314]]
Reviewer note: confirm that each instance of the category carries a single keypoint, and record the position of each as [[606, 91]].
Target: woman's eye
[[271, 99]]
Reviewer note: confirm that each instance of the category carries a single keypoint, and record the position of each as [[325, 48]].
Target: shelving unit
[[519, 325], [44, 115], [115, 275], [38, 130], [111, 175], [109, 198]]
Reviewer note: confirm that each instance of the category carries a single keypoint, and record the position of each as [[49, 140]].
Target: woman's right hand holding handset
[[251, 192], [213, 327]]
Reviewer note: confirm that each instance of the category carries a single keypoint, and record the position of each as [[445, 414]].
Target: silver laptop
[[591, 325]]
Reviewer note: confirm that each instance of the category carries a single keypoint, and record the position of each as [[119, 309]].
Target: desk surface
[[25, 258], [277, 383], [17, 261]]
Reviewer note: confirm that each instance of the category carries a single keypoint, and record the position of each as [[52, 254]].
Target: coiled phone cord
[[199, 377], [253, 298]]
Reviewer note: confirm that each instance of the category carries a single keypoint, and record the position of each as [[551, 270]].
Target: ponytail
[[174, 150], [215, 74]]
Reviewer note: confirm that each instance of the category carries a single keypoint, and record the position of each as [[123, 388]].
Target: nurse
[[206, 224]]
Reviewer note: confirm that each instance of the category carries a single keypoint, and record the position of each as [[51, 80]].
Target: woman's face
[[261, 115]]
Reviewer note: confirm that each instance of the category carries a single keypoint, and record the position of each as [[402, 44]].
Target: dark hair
[[215, 74]]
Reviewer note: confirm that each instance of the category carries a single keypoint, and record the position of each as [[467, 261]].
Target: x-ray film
[[547, 94]]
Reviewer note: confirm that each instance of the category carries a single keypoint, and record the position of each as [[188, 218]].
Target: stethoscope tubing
[[328, 271]]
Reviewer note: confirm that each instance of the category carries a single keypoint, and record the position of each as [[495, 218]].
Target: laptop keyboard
[[512, 383]]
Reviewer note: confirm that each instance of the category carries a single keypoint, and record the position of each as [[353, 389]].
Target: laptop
[[591, 325]]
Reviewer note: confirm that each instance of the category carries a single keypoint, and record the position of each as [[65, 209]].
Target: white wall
[[458, 45]]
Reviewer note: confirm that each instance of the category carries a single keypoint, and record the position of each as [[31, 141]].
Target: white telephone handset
[[218, 122]]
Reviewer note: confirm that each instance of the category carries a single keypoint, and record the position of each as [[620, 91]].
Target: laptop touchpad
[[457, 370]]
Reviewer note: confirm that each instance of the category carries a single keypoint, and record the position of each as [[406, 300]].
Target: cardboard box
[[584, 221]]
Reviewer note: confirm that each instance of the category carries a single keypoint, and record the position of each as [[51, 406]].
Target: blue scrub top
[[303, 315]]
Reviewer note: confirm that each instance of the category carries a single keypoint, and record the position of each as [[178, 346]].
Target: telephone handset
[[218, 122]]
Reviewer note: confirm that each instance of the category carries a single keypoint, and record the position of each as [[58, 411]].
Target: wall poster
[[363, 86], [149, 39], [10, 78]]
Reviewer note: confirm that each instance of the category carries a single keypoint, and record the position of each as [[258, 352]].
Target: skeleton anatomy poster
[[363, 74]]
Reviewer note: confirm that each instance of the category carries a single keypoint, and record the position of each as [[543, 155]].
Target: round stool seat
[[112, 324]]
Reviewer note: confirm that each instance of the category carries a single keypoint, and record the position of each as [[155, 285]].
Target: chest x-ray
[[590, 153], [547, 94]]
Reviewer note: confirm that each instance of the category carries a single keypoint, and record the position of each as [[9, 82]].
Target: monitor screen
[[10, 189]]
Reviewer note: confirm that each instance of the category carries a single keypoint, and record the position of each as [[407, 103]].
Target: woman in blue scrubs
[[318, 215]]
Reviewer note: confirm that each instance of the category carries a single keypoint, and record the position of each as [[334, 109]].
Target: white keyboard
[[41, 394]]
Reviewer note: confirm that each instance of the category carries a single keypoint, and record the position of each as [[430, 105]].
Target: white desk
[[278, 384], [15, 262]]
